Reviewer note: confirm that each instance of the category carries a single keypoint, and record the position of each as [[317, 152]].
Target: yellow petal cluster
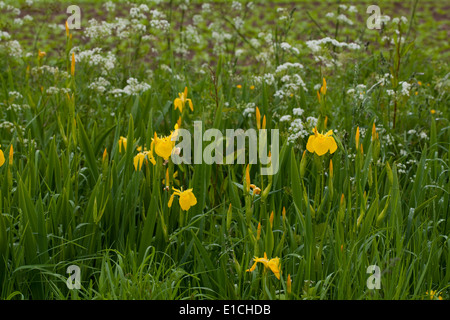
[[122, 143], [432, 295], [272, 264], [187, 198], [163, 146], [180, 102], [321, 143]]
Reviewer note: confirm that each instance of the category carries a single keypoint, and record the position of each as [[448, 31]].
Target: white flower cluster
[[401, 167], [236, 5], [238, 22], [219, 37], [249, 109], [316, 45], [99, 85], [18, 22], [4, 35], [384, 79], [287, 66], [191, 37], [138, 12], [97, 30], [348, 8], [197, 19], [291, 81], [159, 20], [287, 47], [406, 88], [297, 130], [7, 126], [358, 92], [12, 48], [109, 6], [94, 58], [17, 107], [49, 69], [291, 84], [385, 19], [402, 19], [206, 8], [15, 95], [343, 18], [55, 90], [133, 88], [285, 118], [9, 7], [422, 135]]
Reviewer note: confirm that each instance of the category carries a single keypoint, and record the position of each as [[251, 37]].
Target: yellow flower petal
[[122, 142], [187, 199], [332, 144], [138, 161], [274, 265], [309, 145], [2, 158], [171, 200], [258, 119], [164, 147], [320, 145], [178, 104]]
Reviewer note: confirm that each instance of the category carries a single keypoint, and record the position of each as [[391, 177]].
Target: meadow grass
[[71, 193]]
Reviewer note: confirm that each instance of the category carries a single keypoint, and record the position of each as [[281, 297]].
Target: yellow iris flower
[[41, 54], [321, 143], [122, 142], [255, 189], [272, 264], [433, 294], [139, 160], [187, 198], [163, 146], [180, 102]]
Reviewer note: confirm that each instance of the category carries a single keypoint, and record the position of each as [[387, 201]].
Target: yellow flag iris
[[272, 264], [180, 102], [187, 198], [139, 160], [321, 143], [122, 143], [163, 146]]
